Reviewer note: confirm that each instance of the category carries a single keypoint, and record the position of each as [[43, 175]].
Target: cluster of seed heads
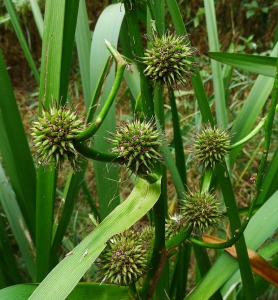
[[53, 135], [136, 143], [169, 59], [210, 145], [201, 210], [124, 259]]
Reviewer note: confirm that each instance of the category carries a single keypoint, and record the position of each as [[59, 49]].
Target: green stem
[[137, 47], [226, 244], [179, 238], [94, 154], [133, 291], [243, 258], [121, 64], [196, 78], [98, 91], [179, 152]]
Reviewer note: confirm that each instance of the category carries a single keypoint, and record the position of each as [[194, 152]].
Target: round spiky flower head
[[136, 144], [210, 145], [168, 61], [173, 226], [201, 210], [53, 135], [124, 260]]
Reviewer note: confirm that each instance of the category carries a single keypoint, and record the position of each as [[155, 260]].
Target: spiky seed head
[[169, 60], [124, 259], [201, 210], [136, 143], [53, 134], [210, 145], [174, 225]]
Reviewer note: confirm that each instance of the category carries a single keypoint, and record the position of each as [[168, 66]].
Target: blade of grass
[[8, 263], [37, 16], [70, 194], [18, 160], [251, 109], [218, 86], [83, 44], [258, 64], [17, 223], [21, 38], [69, 271], [107, 27]]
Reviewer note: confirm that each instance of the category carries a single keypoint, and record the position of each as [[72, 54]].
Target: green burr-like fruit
[[169, 60], [53, 135], [201, 210], [210, 145], [124, 260], [136, 144]]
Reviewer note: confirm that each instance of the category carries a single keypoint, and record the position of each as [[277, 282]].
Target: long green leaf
[[258, 64], [15, 150], [21, 38], [218, 86], [107, 27], [81, 291], [66, 275], [83, 44]]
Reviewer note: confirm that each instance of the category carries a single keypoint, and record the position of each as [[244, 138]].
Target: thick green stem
[[121, 64], [243, 259], [94, 154]]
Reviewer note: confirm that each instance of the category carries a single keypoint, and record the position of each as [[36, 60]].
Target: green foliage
[[153, 259]]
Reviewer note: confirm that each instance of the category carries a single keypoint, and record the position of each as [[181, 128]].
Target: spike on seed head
[[169, 59], [53, 135], [201, 210], [136, 144]]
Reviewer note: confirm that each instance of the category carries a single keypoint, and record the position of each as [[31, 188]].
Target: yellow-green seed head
[[201, 210], [53, 135], [210, 145], [124, 260], [169, 60], [136, 143]]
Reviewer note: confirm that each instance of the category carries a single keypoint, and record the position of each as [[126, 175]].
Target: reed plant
[[141, 247]]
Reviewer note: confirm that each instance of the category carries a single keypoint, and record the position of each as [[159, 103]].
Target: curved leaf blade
[[263, 65], [66, 275]]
